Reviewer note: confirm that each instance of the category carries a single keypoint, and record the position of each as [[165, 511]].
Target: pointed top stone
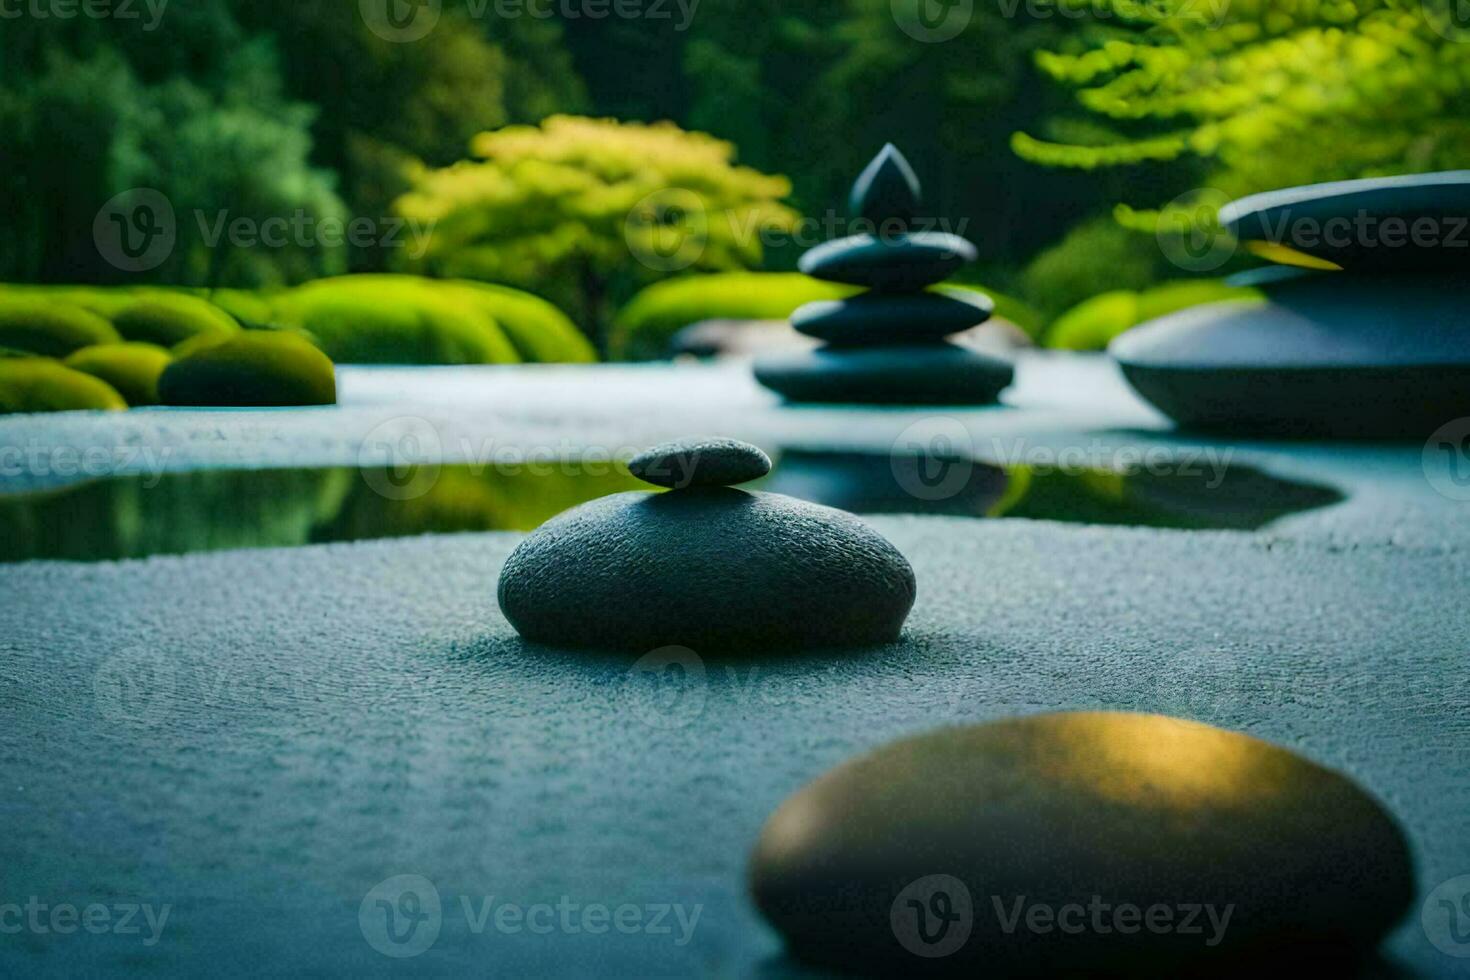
[[886, 190]]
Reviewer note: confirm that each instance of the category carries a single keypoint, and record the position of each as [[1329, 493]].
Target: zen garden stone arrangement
[[1366, 337], [887, 345], [705, 565]]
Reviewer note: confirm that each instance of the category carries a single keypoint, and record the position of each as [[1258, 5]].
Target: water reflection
[[131, 517]]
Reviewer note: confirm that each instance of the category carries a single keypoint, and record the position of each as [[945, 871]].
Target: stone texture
[[887, 191], [1295, 862], [913, 374], [902, 263], [875, 318], [715, 569], [708, 462]]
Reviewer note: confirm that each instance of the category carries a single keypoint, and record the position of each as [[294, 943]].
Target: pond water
[[175, 513]]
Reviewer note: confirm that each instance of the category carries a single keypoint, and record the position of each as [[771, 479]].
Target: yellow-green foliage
[[592, 202], [40, 384], [643, 327], [168, 319], [1276, 93], [132, 368], [1093, 323], [44, 326], [394, 320], [254, 367]]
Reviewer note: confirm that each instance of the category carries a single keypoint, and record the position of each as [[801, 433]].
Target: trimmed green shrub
[[540, 332], [49, 328], [132, 368], [642, 329], [40, 384], [1093, 323], [167, 319], [255, 367], [393, 320]]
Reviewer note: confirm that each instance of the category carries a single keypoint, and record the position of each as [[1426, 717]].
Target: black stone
[[1068, 810], [914, 374], [1337, 355], [887, 191], [700, 463], [900, 263], [891, 318], [1365, 224], [715, 569]]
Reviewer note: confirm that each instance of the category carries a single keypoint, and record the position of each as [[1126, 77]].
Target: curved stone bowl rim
[[1237, 212]]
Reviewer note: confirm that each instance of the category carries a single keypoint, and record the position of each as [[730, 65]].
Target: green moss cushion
[[540, 332], [132, 368], [643, 327], [48, 328], [167, 320], [254, 368], [39, 384], [394, 320]]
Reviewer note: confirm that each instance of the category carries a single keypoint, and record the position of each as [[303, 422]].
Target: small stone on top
[[708, 462], [887, 190]]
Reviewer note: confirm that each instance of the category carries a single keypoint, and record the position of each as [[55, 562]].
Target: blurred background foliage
[[1034, 130]]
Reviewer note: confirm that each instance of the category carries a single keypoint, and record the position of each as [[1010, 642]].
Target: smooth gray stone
[[901, 263], [887, 190], [1365, 224], [712, 568], [888, 318], [709, 462], [914, 374], [1341, 355], [1077, 809]]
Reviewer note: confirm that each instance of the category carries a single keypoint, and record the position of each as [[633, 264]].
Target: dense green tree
[[584, 211]]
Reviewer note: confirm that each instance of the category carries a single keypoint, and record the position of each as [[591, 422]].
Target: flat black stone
[[715, 569], [1336, 355], [914, 374], [700, 463], [901, 263], [929, 845], [889, 317], [886, 191], [1365, 224]]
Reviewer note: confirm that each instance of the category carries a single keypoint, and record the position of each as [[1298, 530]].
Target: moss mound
[[167, 320], [48, 328], [132, 368], [643, 327], [39, 384], [540, 332], [254, 368], [394, 320]]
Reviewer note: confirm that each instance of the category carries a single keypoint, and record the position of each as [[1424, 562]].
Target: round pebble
[[715, 569], [905, 263], [1089, 843], [700, 463], [913, 374], [876, 318]]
